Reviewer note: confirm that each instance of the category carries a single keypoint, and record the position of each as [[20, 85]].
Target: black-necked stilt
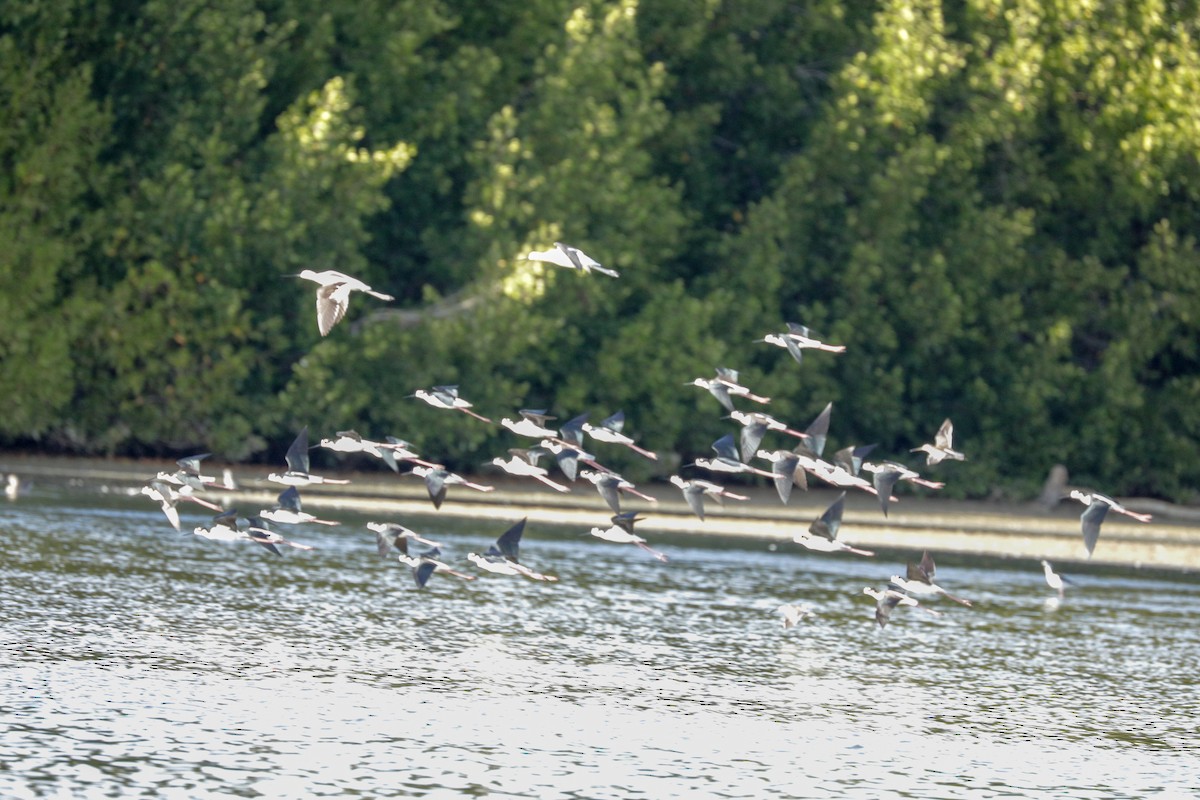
[[572, 431], [568, 457], [797, 339], [188, 474], [532, 424], [333, 295], [297, 473], [1053, 579], [725, 387], [821, 535], [12, 489], [695, 489], [728, 460], [886, 474], [438, 478], [942, 447], [610, 432], [621, 532], [523, 463], [792, 615], [1098, 506], [502, 557], [816, 434], [887, 599], [224, 528], [390, 535], [447, 397], [755, 425], [259, 531], [563, 255], [168, 496], [287, 510], [919, 580], [423, 564], [787, 470], [610, 485]]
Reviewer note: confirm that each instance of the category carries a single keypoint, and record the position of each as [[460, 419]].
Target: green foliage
[[991, 204]]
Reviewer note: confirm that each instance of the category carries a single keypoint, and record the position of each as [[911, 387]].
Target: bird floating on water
[[297, 473], [1053, 579], [447, 397], [333, 295], [919, 580], [1098, 506], [563, 255], [821, 535], [942, 447]]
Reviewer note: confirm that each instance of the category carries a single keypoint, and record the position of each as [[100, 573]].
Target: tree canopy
[[992, 204]]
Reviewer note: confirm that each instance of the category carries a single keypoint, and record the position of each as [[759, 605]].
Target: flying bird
[[288, 512], [942, 447], [621, 532], [919, 580], [333, 295], [725, 387], [297, 473], [447, 397], [502, 557], [563, 255], [438, 478], [609, 431], [821, 535], [886, 601], [1098, 506]]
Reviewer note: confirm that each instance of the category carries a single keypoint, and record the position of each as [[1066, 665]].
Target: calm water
[[138, 662]]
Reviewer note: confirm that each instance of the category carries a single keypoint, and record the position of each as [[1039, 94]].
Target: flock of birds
[[564, 446]]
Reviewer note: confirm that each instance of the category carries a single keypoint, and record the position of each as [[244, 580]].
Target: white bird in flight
[[564, 255], [333, 295]]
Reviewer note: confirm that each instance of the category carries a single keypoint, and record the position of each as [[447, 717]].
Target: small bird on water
[[333, 295], [1053, 579]]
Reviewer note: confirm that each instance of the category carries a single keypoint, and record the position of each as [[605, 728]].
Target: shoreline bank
[[1002, 530]]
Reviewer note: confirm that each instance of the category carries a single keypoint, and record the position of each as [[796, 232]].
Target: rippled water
[[135, 661]]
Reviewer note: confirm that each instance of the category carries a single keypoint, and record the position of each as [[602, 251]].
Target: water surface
[[137, 661]]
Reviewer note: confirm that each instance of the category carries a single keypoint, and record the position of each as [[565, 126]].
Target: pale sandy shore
[[1005, 530]]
